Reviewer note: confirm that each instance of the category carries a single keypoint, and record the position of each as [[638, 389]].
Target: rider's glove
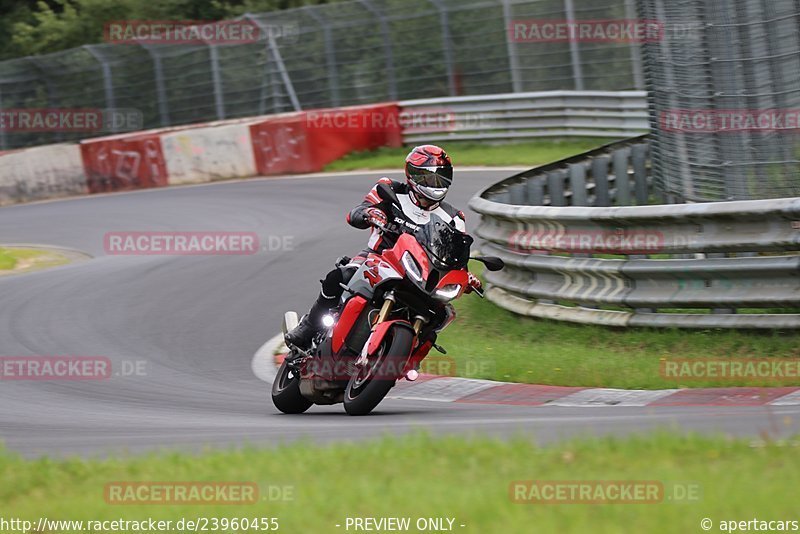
[[474, 283], [375, 217]]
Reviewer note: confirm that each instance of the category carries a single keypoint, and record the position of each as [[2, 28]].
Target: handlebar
[[390, 228]]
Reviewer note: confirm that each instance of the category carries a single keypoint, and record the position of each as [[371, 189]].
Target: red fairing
[[419, 354], [455, 277], [379, 332], [406, 242], [346, 321]]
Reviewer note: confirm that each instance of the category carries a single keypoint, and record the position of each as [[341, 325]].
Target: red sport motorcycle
[[392, 309]]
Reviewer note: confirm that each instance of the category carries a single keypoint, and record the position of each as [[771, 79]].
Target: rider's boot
[[301, 335]]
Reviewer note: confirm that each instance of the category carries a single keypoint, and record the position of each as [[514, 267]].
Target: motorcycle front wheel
[[367, 388]]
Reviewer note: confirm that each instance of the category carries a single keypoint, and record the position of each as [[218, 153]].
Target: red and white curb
[[474, 391], [465, 390]]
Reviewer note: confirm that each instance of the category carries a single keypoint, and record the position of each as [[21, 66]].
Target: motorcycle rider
[[429, 175]]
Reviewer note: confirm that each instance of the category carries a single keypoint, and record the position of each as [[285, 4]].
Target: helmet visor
[[433, 177]]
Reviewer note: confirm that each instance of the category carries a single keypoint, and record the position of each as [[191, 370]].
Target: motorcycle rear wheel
[[286, 394]]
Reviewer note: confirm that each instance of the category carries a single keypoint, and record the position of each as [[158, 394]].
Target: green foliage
[[28, 28]]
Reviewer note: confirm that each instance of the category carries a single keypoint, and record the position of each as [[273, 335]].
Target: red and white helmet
[[429, 172]]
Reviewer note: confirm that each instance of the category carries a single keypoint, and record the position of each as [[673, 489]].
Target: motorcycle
[[391, 311]]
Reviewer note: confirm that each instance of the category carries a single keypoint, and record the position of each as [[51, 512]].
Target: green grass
[[29, 259], [7, 260], [420, 476], [11, 257], [489, 342], [524, 154]]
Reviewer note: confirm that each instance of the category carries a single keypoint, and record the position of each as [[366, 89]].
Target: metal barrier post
[[161, 91], [511, 46], [447, 45], [330, 54], [219, 99], [287, 82], [3, 140], [272, 49], [108, 85], [387, 47], [574, 51], [622, 180], [636, 53], [52, 98]]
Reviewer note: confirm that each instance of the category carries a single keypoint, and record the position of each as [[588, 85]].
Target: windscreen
[[448, 247]]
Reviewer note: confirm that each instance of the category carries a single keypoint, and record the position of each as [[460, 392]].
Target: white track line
[[263, 364], [791, 399]]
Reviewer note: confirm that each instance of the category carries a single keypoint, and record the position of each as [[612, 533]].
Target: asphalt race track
[[196, 321]]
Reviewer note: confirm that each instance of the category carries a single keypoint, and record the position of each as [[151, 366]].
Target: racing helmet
[[429, 172]]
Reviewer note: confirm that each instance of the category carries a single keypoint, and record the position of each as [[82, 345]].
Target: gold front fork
[[386, 309], [418, 322]]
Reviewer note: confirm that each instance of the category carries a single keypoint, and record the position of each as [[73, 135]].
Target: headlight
[[448, 292], [411, 267]]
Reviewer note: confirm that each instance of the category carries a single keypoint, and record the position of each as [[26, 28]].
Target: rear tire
[[363, 394], [286, 394]]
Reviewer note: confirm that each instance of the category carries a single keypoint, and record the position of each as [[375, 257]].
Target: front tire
[[286, 394], [364, 392]]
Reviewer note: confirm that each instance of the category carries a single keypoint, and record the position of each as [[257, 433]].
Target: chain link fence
[[329, 55], [725, 98]]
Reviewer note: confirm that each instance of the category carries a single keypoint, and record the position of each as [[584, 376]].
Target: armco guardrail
[[526, 115], [583, 242]]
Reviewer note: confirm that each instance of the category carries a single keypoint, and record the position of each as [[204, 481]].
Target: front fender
[[379, 332]]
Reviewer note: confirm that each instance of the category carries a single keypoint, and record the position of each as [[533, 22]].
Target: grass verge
[[468, 480], [489, 342], [25, 259], [524, 154]]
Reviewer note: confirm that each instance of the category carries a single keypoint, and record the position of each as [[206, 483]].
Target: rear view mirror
[[492, 263]]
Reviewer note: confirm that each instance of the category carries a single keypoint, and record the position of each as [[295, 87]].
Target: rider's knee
[[331, 284]]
